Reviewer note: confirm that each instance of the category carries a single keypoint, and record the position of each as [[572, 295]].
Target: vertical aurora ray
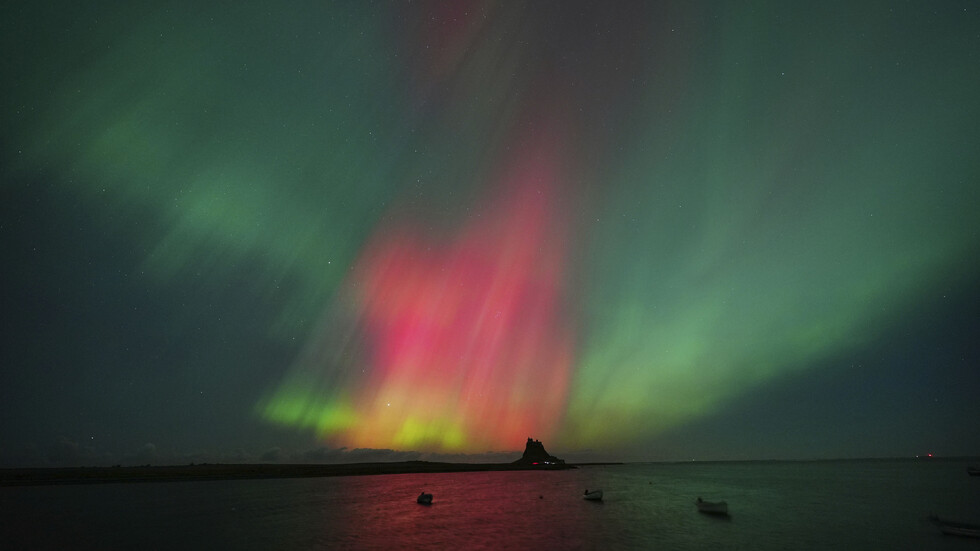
[[450, 226], [790, 211], [462, 339]]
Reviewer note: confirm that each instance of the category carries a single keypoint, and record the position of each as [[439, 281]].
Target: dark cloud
[[66, 452], [147, 454], [358, 455], [485, 457], [272, 455]]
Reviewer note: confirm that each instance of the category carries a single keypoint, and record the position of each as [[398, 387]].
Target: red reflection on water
[[514, 510]]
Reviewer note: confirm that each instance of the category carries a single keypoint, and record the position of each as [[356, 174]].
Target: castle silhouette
[[535, 454]]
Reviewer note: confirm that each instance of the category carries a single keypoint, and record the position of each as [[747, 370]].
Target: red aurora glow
[[464, 335]]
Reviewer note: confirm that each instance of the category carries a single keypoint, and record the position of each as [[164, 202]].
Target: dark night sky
[[343, 231]]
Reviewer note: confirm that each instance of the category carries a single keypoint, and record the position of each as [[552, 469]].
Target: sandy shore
[[207, 471]]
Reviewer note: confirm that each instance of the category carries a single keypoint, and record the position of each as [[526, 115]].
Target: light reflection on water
[[487, 510], [843, 505]]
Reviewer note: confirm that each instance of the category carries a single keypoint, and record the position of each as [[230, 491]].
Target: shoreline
[[48, 476], [60, 476]]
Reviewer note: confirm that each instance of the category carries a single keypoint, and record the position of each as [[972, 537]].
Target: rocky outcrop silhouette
[[535, 454]]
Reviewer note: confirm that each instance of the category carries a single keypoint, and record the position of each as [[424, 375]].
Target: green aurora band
[[754, 192]]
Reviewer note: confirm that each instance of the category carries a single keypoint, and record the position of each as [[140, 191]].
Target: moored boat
[[712, 507], [424, 499], [594, 495], [953, 528]]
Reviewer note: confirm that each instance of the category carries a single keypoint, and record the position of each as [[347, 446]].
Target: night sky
[[345, 231]]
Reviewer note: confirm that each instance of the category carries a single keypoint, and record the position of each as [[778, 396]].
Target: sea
[[854, 504]]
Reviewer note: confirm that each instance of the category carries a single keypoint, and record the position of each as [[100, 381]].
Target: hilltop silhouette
[[535, 454]]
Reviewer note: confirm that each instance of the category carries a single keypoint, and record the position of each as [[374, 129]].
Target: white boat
[[952, 528], [594, 495], [712, 507], [424, 499]]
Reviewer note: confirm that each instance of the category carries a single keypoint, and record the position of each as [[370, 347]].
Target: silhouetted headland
[[534, 458], [536, 455]]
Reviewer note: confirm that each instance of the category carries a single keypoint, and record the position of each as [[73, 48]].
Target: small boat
[[424, 499], [953, 528], [712, 507], [594, 495], [973, 471]]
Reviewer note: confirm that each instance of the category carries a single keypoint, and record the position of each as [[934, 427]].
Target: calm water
[[822, 505]]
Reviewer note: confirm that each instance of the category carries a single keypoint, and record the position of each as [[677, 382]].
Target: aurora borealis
[[661, 230]]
